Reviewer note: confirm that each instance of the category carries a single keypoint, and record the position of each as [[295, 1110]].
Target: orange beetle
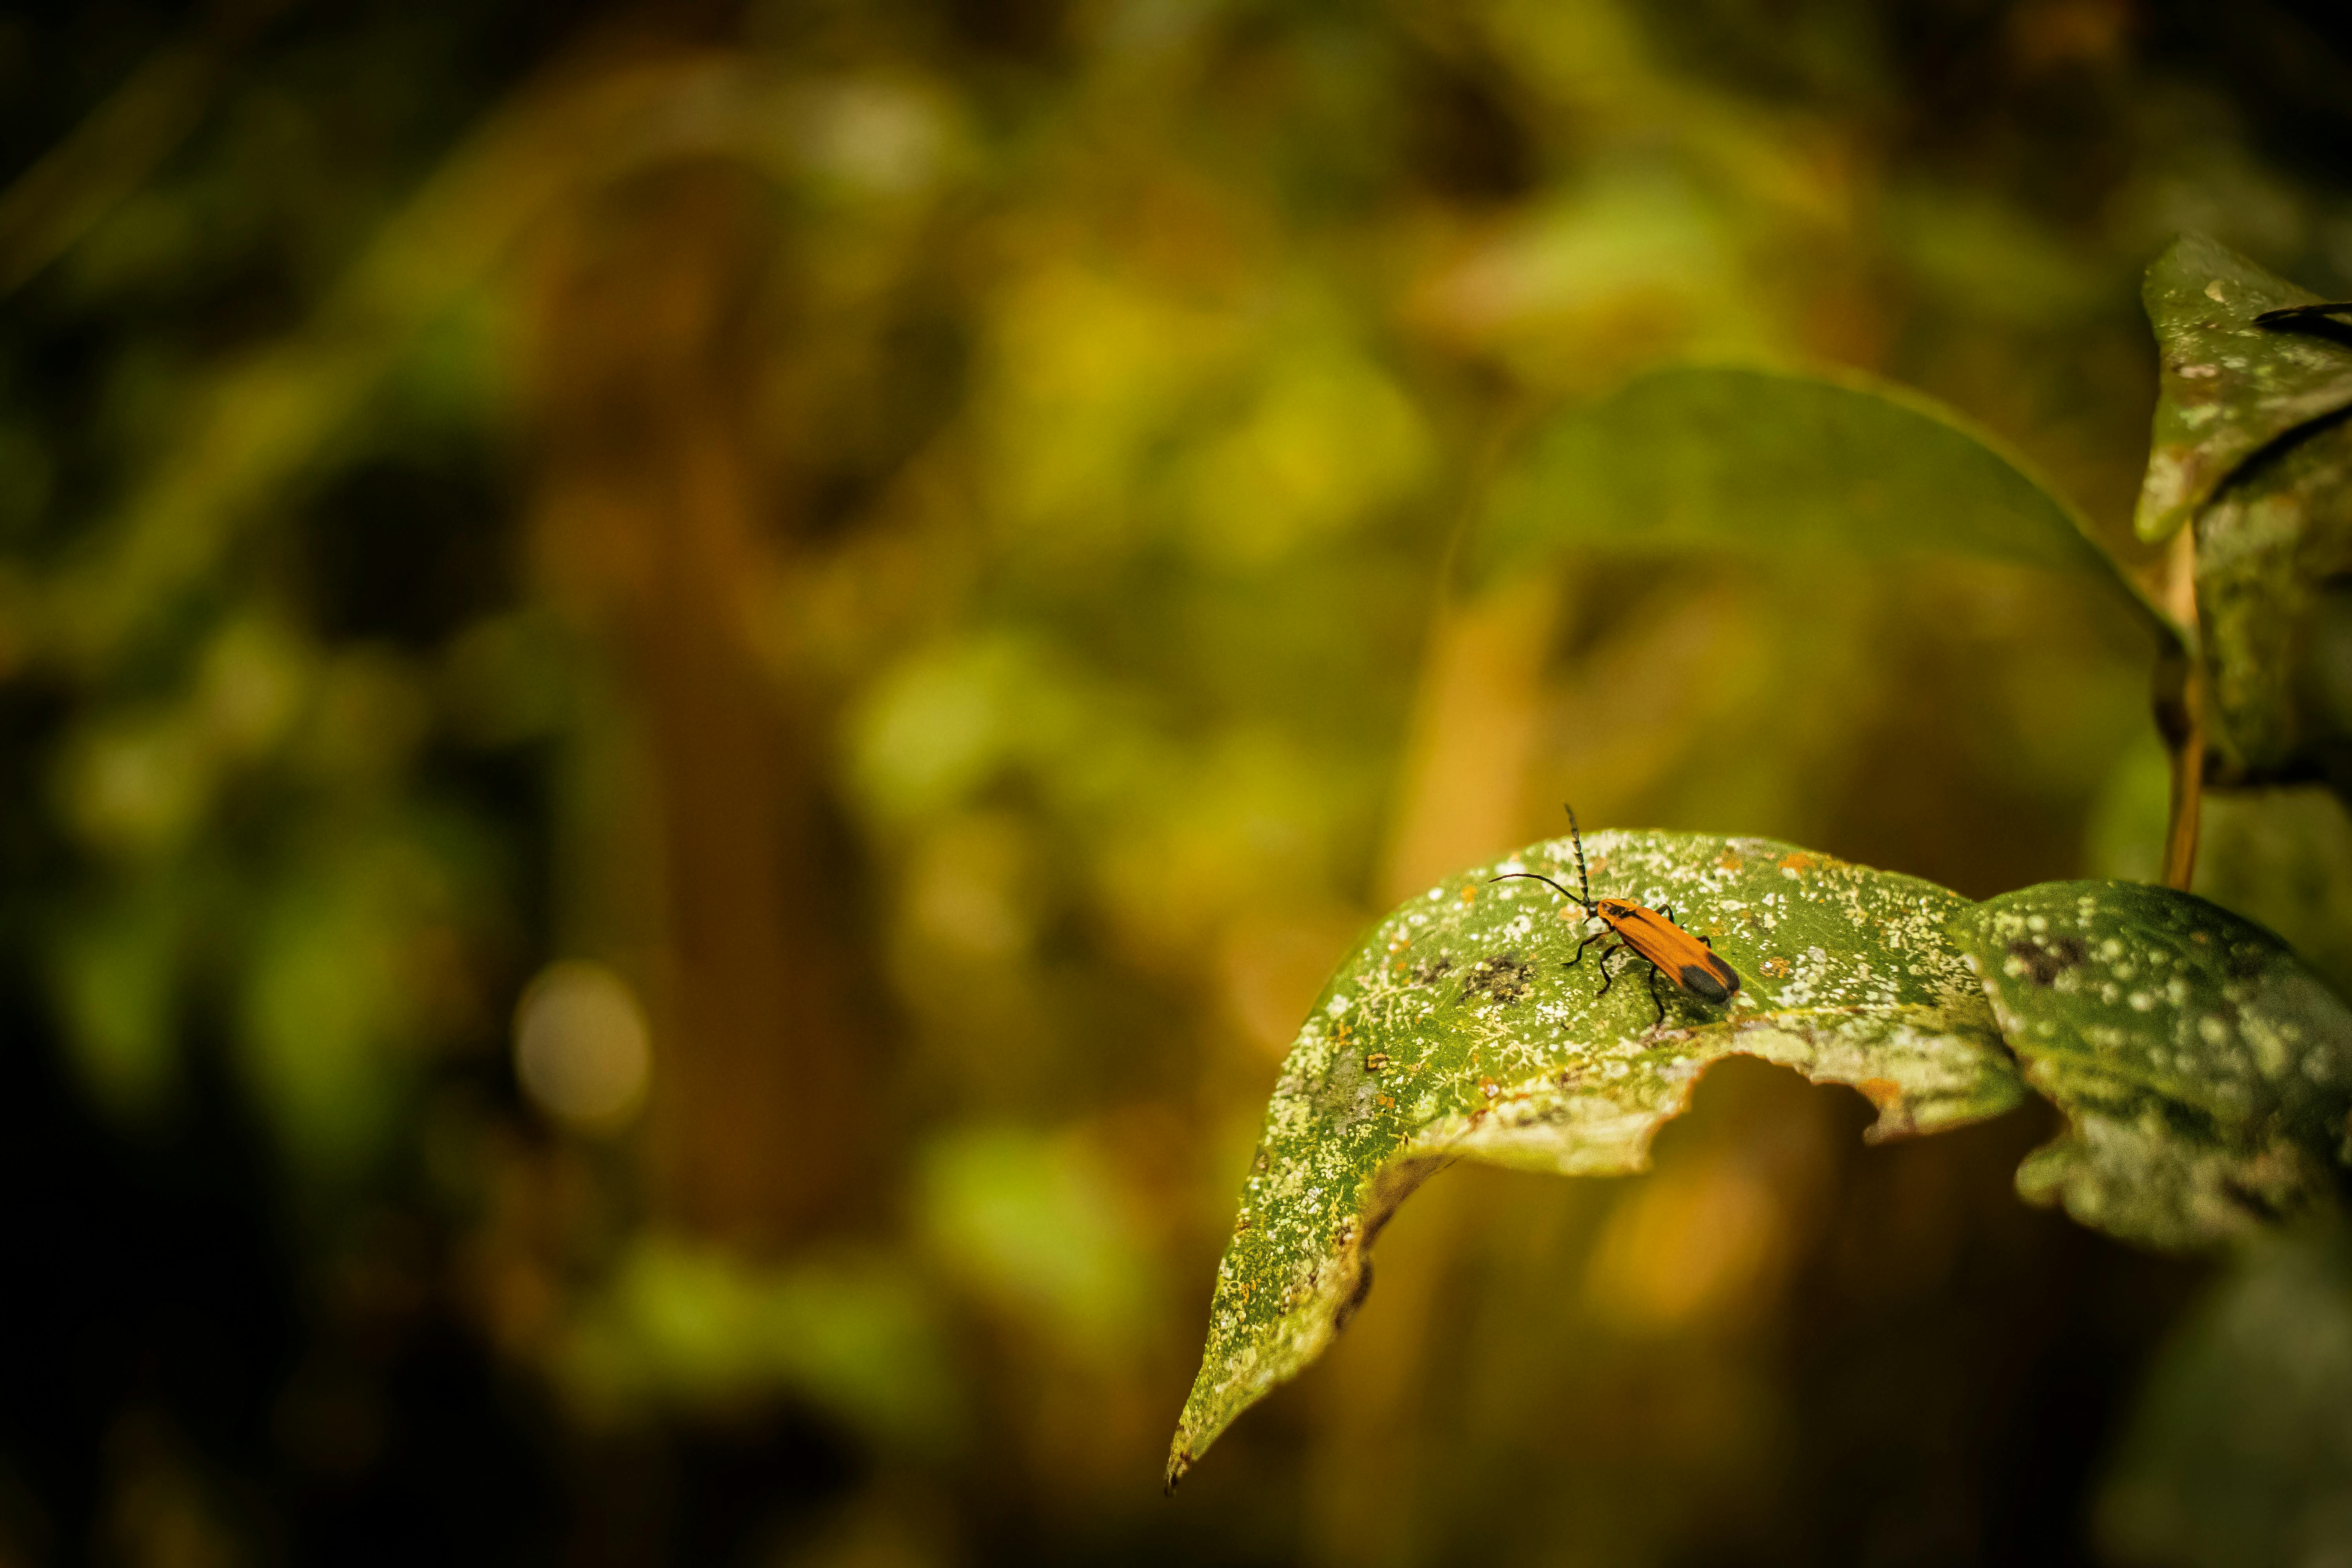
[[1650, 934]]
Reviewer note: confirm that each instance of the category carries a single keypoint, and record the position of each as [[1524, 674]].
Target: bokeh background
[[691, 694]]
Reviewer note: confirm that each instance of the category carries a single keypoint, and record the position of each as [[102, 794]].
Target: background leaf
[[2204, 1072], [2272, 555], [2283, 858], [1455, 1030], [1713, 459], [2230, 386], [2241, 1452]]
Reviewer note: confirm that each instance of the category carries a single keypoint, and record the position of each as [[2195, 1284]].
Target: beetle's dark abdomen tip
[[1706, 985]]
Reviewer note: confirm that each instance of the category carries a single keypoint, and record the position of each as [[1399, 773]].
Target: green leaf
[[2282, 857], [1715, 459], [2241, 1453], [681, 1324], [115, 967], [2274, 551], [2231, 385], [1457, 1030], [2204, 1072]]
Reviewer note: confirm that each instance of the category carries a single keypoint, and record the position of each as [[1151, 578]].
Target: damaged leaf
[[2231, 383], [2204, 1072], [1714, 459], [1458, 1029]]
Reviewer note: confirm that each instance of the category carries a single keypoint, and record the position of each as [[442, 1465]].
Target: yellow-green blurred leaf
[[115, 971], [1034, 1226], [352, 971], [319, 1000], [680, 1324]]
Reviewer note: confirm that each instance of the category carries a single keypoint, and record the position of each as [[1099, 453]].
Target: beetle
[[1651, 935]]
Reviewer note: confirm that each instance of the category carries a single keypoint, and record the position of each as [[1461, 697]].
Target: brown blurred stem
[[2180, 718], [656, 520], [2188, 782]]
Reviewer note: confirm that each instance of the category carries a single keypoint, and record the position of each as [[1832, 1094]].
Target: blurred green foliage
[[2239, 1453], [916, 537]]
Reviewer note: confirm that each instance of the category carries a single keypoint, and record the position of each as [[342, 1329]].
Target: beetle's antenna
[[1577, 834], [1547, 881]]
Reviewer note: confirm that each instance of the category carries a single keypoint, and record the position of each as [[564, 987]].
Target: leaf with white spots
[[2231, 383], [2275, 597], [2204, 1072], [1459, 1028]]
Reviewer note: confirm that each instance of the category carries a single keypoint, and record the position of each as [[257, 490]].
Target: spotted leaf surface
[[2204, 1072], [2231, 384], [2274, 561], [1461, 1029]]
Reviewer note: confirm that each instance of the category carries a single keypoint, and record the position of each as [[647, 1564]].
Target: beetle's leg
[[1607, 978], [1668, 911], [1653, 996], [1600, 935]]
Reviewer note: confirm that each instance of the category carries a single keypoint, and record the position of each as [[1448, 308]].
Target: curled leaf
[[2275, 597], [2233, 382], [2204, 1072], [1459, 1028]]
